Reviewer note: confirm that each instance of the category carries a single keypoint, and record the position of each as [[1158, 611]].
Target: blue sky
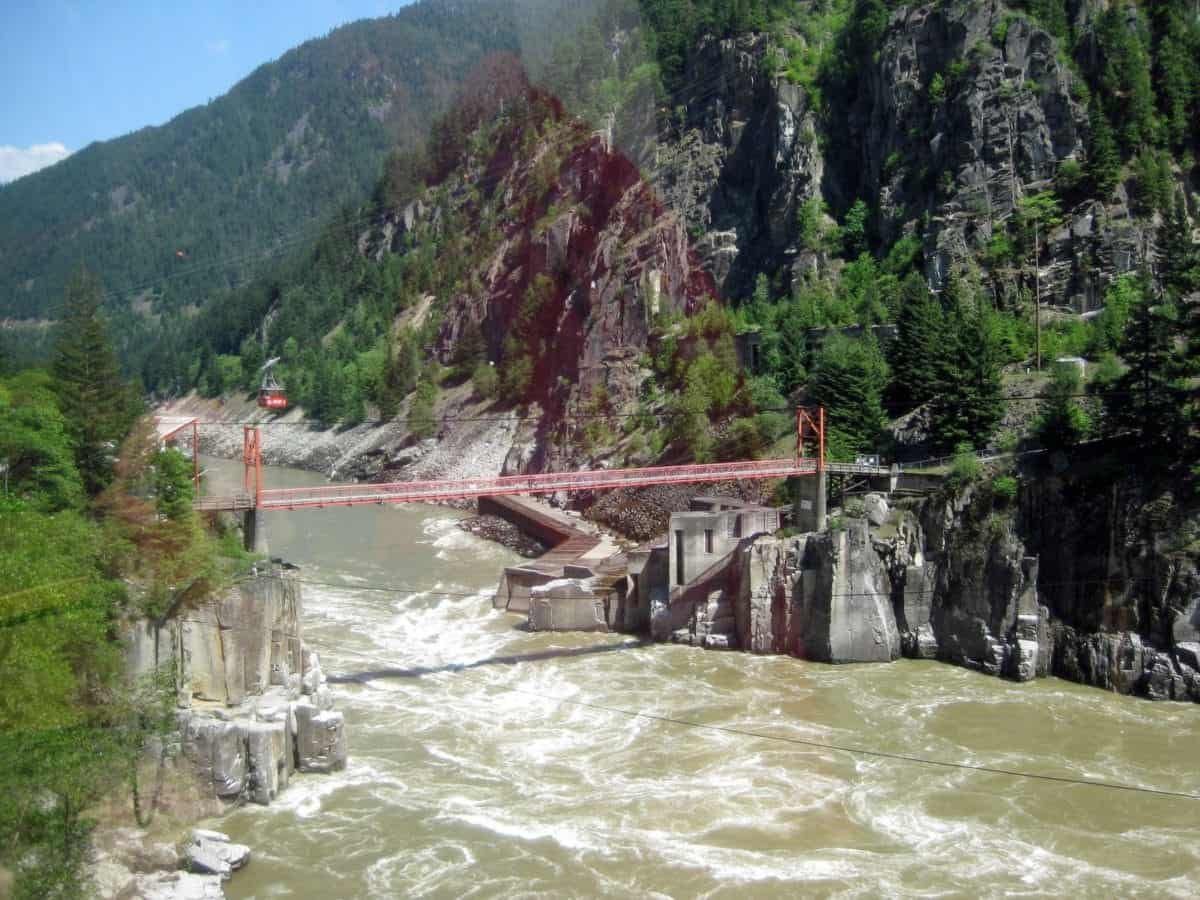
[[77, 71]]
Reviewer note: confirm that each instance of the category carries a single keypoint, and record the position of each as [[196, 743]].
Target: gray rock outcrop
[[212, 853], [822, 596], [253, 704]]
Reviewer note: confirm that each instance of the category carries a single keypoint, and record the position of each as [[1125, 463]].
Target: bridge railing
[[533, 484]]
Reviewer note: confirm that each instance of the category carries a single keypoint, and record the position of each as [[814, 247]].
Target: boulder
[[212, 853], [876, 508], [320, 739], [178, 886]]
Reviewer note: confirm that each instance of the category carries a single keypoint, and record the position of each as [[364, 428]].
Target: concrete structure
[[592, 564], [811, 497], [697, 540]]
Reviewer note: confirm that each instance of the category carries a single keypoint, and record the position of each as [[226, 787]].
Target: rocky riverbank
[[962, 577], [252, 710]]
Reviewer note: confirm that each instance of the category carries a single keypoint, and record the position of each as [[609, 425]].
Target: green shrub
[[485, 381], [937, 90], [965, 469], [1004, 489], [1000, 30]]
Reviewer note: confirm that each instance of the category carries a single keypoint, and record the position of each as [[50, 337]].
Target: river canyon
[[486, 760]]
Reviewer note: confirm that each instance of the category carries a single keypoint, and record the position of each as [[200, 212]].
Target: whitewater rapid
[[475, 770]]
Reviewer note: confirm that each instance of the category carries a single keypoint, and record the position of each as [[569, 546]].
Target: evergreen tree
[[1176, 79], [94, 401], [969, 402], [848, 380], [1063, 423], [173, 485], [1178, 256], [1149, 399], [793, 346], [1103, 160], [854, 230], [918, 343]]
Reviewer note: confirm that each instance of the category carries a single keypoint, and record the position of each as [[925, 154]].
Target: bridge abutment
[[810, 508], [254, 532]]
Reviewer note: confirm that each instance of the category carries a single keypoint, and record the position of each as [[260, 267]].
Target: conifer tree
[[1063, 423], [969, 402], [1178, 257], [94, 401], [918, 343], [1104, 159], [848, 380], [1149, 399]]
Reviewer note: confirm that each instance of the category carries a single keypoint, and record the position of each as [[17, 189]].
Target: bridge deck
[[542, 483]]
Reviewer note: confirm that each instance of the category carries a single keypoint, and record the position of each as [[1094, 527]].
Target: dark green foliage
[[968, 406], [1004, 489], [1063, 422], [173, 484], [848, 380], [1178, 256], [1120, 298], [35, 450], [854, 229], [485, 381], [469, 351], [1177, 77], [96, 404], [1153, 180], [1149, 399], [421, 421], [676, 25], [1069, 180], [1050, 14], [1103, 160], [233, 182], [916, 377], [1124, 83]]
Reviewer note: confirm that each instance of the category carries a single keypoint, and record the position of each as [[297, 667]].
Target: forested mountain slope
[[169, 215], [828, 165]]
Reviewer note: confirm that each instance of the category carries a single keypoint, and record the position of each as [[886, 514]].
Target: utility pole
[[1037, 301]]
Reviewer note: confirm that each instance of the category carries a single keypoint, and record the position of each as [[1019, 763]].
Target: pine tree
[[1178, 257], [1149, 399], [916, 349], [969, 403], [1063, 423], [1103, 160], [95, 402], [793, 346], [848, 380]]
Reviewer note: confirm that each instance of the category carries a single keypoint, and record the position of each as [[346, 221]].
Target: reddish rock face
[[577, 255]]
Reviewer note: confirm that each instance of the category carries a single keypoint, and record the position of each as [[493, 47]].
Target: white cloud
[[219, 46], [18, 161]]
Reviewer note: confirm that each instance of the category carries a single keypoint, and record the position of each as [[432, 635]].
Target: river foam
[[475, 772]]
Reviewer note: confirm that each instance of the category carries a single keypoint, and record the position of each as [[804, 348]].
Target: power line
[[855, 751], [436, 592], [668, 413]]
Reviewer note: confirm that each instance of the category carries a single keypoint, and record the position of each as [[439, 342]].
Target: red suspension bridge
[[810, 436]]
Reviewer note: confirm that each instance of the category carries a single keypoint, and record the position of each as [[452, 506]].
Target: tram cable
[[444, 420], [854, 751]]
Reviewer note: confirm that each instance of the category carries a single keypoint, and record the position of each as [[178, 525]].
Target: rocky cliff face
[[738, 158], [1120, 576], [742, 150], [572, 256], [1100, 588], [253, 707]]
